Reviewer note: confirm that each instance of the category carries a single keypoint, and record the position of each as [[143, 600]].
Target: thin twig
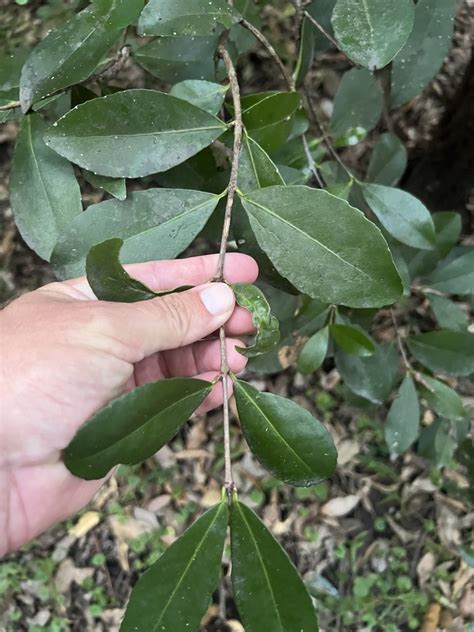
[[271, 51], [10, 106], [311, 163], [114, 67], [400, 343], [383, 77], [219, 276], [321, 28]]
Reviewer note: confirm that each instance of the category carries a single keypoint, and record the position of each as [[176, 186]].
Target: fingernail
[[217, 298]]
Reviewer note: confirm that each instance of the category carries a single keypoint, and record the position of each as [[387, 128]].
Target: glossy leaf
[[133, 133], [178, 58], [388, 161], [68, 55], [133, 427], [402, 425], [372, 377], [118, 14], [358, 103], [312, 40], [426, 49], [185, 17], [10, 69], [154, 224], [456, 276], [269, 592], [251, 298], [203, 94], [352, 339], [402, 215], [372, 32], [115, 186], [450, 352], [288, 441], [442, 398], [266, 117], [351, 266], [314, 352], [175, 592], [447, 313], [44, 192]]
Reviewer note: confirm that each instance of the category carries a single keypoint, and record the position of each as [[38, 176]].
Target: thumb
[[174, 320]]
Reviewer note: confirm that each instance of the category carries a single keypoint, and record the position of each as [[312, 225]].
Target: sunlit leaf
[[175, 592], [288, 441], [269, 593], [133, 427]]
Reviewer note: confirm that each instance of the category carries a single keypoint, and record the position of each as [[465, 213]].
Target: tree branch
[[272, 52], [219, 276], [10, 106], [400, 343]]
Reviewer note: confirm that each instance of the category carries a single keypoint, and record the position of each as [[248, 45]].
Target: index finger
[[166, 275]]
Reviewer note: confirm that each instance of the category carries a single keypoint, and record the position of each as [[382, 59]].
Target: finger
[[137, 330], [215, 399], [202, 357], [165, 275], [189, 361], [240, 323]]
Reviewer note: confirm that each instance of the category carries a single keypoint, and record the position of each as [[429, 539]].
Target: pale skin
[[64, 355]]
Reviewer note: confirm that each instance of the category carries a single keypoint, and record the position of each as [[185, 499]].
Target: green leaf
[[186, 17], [203, 94], [10, 69], [314, 352], [115, 186], [252, 298], [372, 32], [154, 224], [448, 231], [436, 443], [372, 377], [358, 103], [352, 339], [350, 266], [426, 49], [455, 276], [312, 40], [450, 352], [403, 215], [441, 398], [118, 14], [403, 421], [108, 279], [269, 593], [388, 161], [288, 441], [133, 427], [448, 314], [178, 58], [133, 133], [256, 168], [267, 117], [68, 55], [44, 192], [175, 592]]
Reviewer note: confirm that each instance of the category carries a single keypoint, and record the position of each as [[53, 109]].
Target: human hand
[[66, 355]]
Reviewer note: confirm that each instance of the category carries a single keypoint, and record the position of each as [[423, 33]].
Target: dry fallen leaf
[[68, 572], [338, 507], [85, 523], [424, 568], [347, 449], [431, 619]]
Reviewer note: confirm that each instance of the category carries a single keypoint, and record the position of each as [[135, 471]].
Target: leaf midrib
[[264, 568], [188, 566], [310, 237], [279, 435], [147, 134]]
